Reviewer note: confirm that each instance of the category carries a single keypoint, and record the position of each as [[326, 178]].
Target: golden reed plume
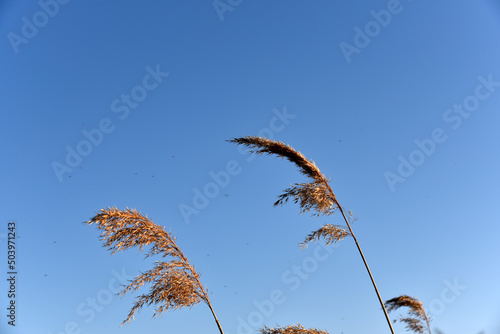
[[417, 320], [316, 195], [173, 284], [298, 329], [331, 234]]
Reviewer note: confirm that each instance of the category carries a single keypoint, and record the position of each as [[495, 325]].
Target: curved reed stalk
[[417, 320], [174, 284], [317, 195], [297, 329]]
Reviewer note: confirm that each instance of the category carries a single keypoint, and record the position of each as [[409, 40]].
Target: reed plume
[[297, 329], [417, 320], [174, 284], [315, 195], [331, 234]]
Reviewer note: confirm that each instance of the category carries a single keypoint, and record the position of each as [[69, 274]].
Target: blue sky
[[129, 104]]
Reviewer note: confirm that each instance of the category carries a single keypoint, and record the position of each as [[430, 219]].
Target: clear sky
[[130, 104]]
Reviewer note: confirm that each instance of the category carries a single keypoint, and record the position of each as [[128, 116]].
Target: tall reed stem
[[367, 268], [215, 317], [210, 306]]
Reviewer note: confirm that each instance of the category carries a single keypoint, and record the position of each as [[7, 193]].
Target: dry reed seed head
[[128, 228], [162, 274], [170, 291], [417, 317], [413, 325], [317, 195], [310, 196], [174, 284], [297, 329], [412, 303], [261, 145], [331, 234]]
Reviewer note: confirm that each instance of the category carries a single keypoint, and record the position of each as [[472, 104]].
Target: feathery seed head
[[174, 284], [417, 318], [297, 329], [317, 195], [331, 234]]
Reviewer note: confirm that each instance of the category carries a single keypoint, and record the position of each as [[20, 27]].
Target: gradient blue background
[[226, 77]]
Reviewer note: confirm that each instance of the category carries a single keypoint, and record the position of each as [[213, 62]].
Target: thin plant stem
[[215, 317], [210, 306], [367, 268], [428, 324]]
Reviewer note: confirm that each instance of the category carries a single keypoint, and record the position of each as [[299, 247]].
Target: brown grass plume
[[297, 329], [417, 320], [174, 284], [316, 194], [330, 233]]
